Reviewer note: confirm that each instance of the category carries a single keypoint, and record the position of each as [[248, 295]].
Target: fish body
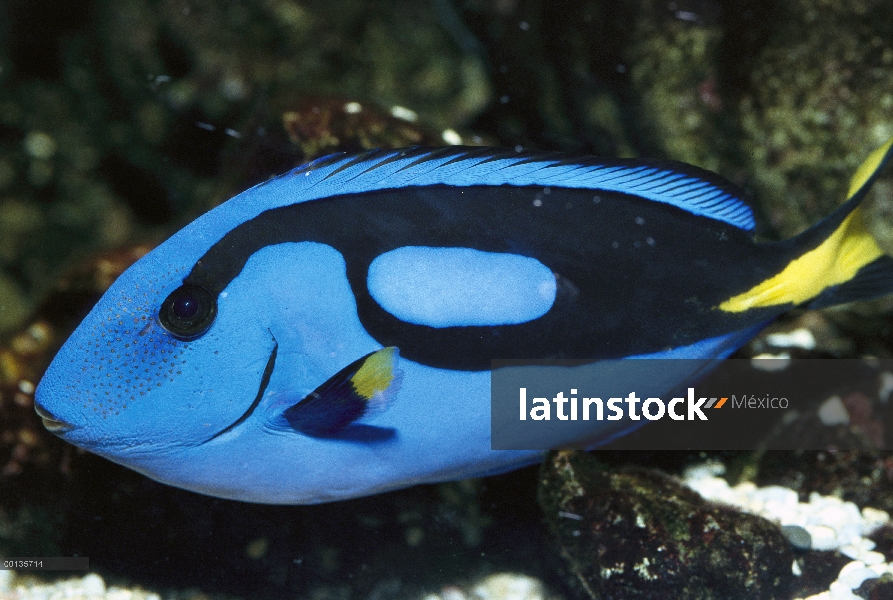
[[327, 334]]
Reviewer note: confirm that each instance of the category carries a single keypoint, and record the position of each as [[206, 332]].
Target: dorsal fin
[[684, 186]]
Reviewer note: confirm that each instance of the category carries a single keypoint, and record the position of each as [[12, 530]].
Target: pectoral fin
[[363, 387]]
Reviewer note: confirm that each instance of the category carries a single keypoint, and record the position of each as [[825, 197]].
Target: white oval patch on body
[[449, 287]]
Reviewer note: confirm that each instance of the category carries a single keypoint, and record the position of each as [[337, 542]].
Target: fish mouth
[[50, 422]]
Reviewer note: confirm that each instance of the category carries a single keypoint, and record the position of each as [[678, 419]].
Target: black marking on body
[[634, 276]]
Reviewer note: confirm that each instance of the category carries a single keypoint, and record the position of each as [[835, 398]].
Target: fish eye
[[188, 312]]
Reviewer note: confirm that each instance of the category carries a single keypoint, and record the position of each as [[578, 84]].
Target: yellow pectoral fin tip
[[835, 261], [868, 168], [376, 374]]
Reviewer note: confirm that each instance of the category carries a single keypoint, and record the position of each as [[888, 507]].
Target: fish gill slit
[[264, 381]]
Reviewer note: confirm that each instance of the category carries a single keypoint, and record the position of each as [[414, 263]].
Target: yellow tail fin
[[839, 260]]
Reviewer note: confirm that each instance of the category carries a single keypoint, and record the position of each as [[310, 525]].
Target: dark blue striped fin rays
[[689, 188]]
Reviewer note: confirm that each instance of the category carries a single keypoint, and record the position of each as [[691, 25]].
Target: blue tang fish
[[328, 334]]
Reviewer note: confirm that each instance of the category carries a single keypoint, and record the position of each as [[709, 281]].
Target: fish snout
[[50, 421]]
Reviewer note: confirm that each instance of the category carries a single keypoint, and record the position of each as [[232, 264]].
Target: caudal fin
[[873, 280], [843, 261]]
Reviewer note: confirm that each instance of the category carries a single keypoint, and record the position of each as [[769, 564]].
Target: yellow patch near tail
[[376, 374], [835, 261], [868, 168]]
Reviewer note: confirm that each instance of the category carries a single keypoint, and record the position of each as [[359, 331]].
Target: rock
[[637, 533], [816, 104]]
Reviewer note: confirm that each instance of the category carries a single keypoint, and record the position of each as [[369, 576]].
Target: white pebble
[[857, 577], [453, 593], [799, 338], [874, 517], [6, 577], [832, 523], [509, 586], [840, 591], [853, 574], [89, 587], [823, 537], [93, 584]]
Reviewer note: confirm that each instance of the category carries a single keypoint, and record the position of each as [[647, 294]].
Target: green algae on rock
[[674, 60], [819, 97], [637, 533]]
